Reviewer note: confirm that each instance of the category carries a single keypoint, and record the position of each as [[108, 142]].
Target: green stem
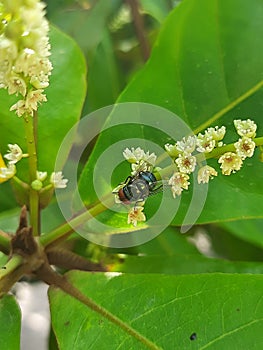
[[11, 273], [11, 265], [76, 221], [32, 158], [4, 242], [98, 208]]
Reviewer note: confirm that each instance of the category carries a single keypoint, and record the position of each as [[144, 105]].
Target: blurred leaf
[[158, 9], [97, 46], [206, 67], [167, 311], [168, 243], [10, 320], [233, 247], [7, 199], [103, 67], [86, 25], [9, 220], [248, 230], [65, 98]]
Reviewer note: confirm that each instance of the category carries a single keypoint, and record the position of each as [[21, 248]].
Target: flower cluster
[[140, 160], [187, 154], [24, 50], [15, 154]]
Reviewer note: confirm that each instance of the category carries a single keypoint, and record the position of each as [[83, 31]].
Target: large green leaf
[[223, 311], [10, 320], [65, 96], [206, 67]]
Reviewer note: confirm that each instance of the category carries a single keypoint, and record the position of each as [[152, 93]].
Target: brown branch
[[69, 260], [139, 28]]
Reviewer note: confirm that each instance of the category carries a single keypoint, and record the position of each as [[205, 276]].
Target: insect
[[137, 188]]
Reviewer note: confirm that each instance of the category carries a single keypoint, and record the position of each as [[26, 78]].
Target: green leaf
[[158, 9], [184, 264], [65, 96], [229, 246], [206, 67], [249, 230], [172, 253], [222, 310], [10, 320]]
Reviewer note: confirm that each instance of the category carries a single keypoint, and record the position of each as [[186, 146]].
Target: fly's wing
[[160, 186]]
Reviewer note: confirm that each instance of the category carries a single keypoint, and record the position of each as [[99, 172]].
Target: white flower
[[245, 147], [140, 160], [205, 143], [24, 50], [30, 104], [133, 155], [179, 182], [16, 85], [57, 180], [33, 98], [205, 173], [136, 214], [216, 132], [14, 154], [171, 150], [245, 127], [230, 162], [41, 175], [19, 107], [186, 163], [7, 172], [150, 158], [8, 52], [186, 145], [137, 155]]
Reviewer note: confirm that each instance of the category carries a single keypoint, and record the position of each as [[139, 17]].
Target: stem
[[11, 265], [4, 242], [13, 271], [32, 158], [139, 28], [77, 221]]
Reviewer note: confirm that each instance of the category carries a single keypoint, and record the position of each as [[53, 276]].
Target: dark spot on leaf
[[238, 309], [3, 267], [67, 323], [193, 336], [100, 322]]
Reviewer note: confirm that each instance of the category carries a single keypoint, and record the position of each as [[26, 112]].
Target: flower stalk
[[32, 159]]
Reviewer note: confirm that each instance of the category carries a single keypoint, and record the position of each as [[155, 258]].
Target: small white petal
[[57, 180]]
